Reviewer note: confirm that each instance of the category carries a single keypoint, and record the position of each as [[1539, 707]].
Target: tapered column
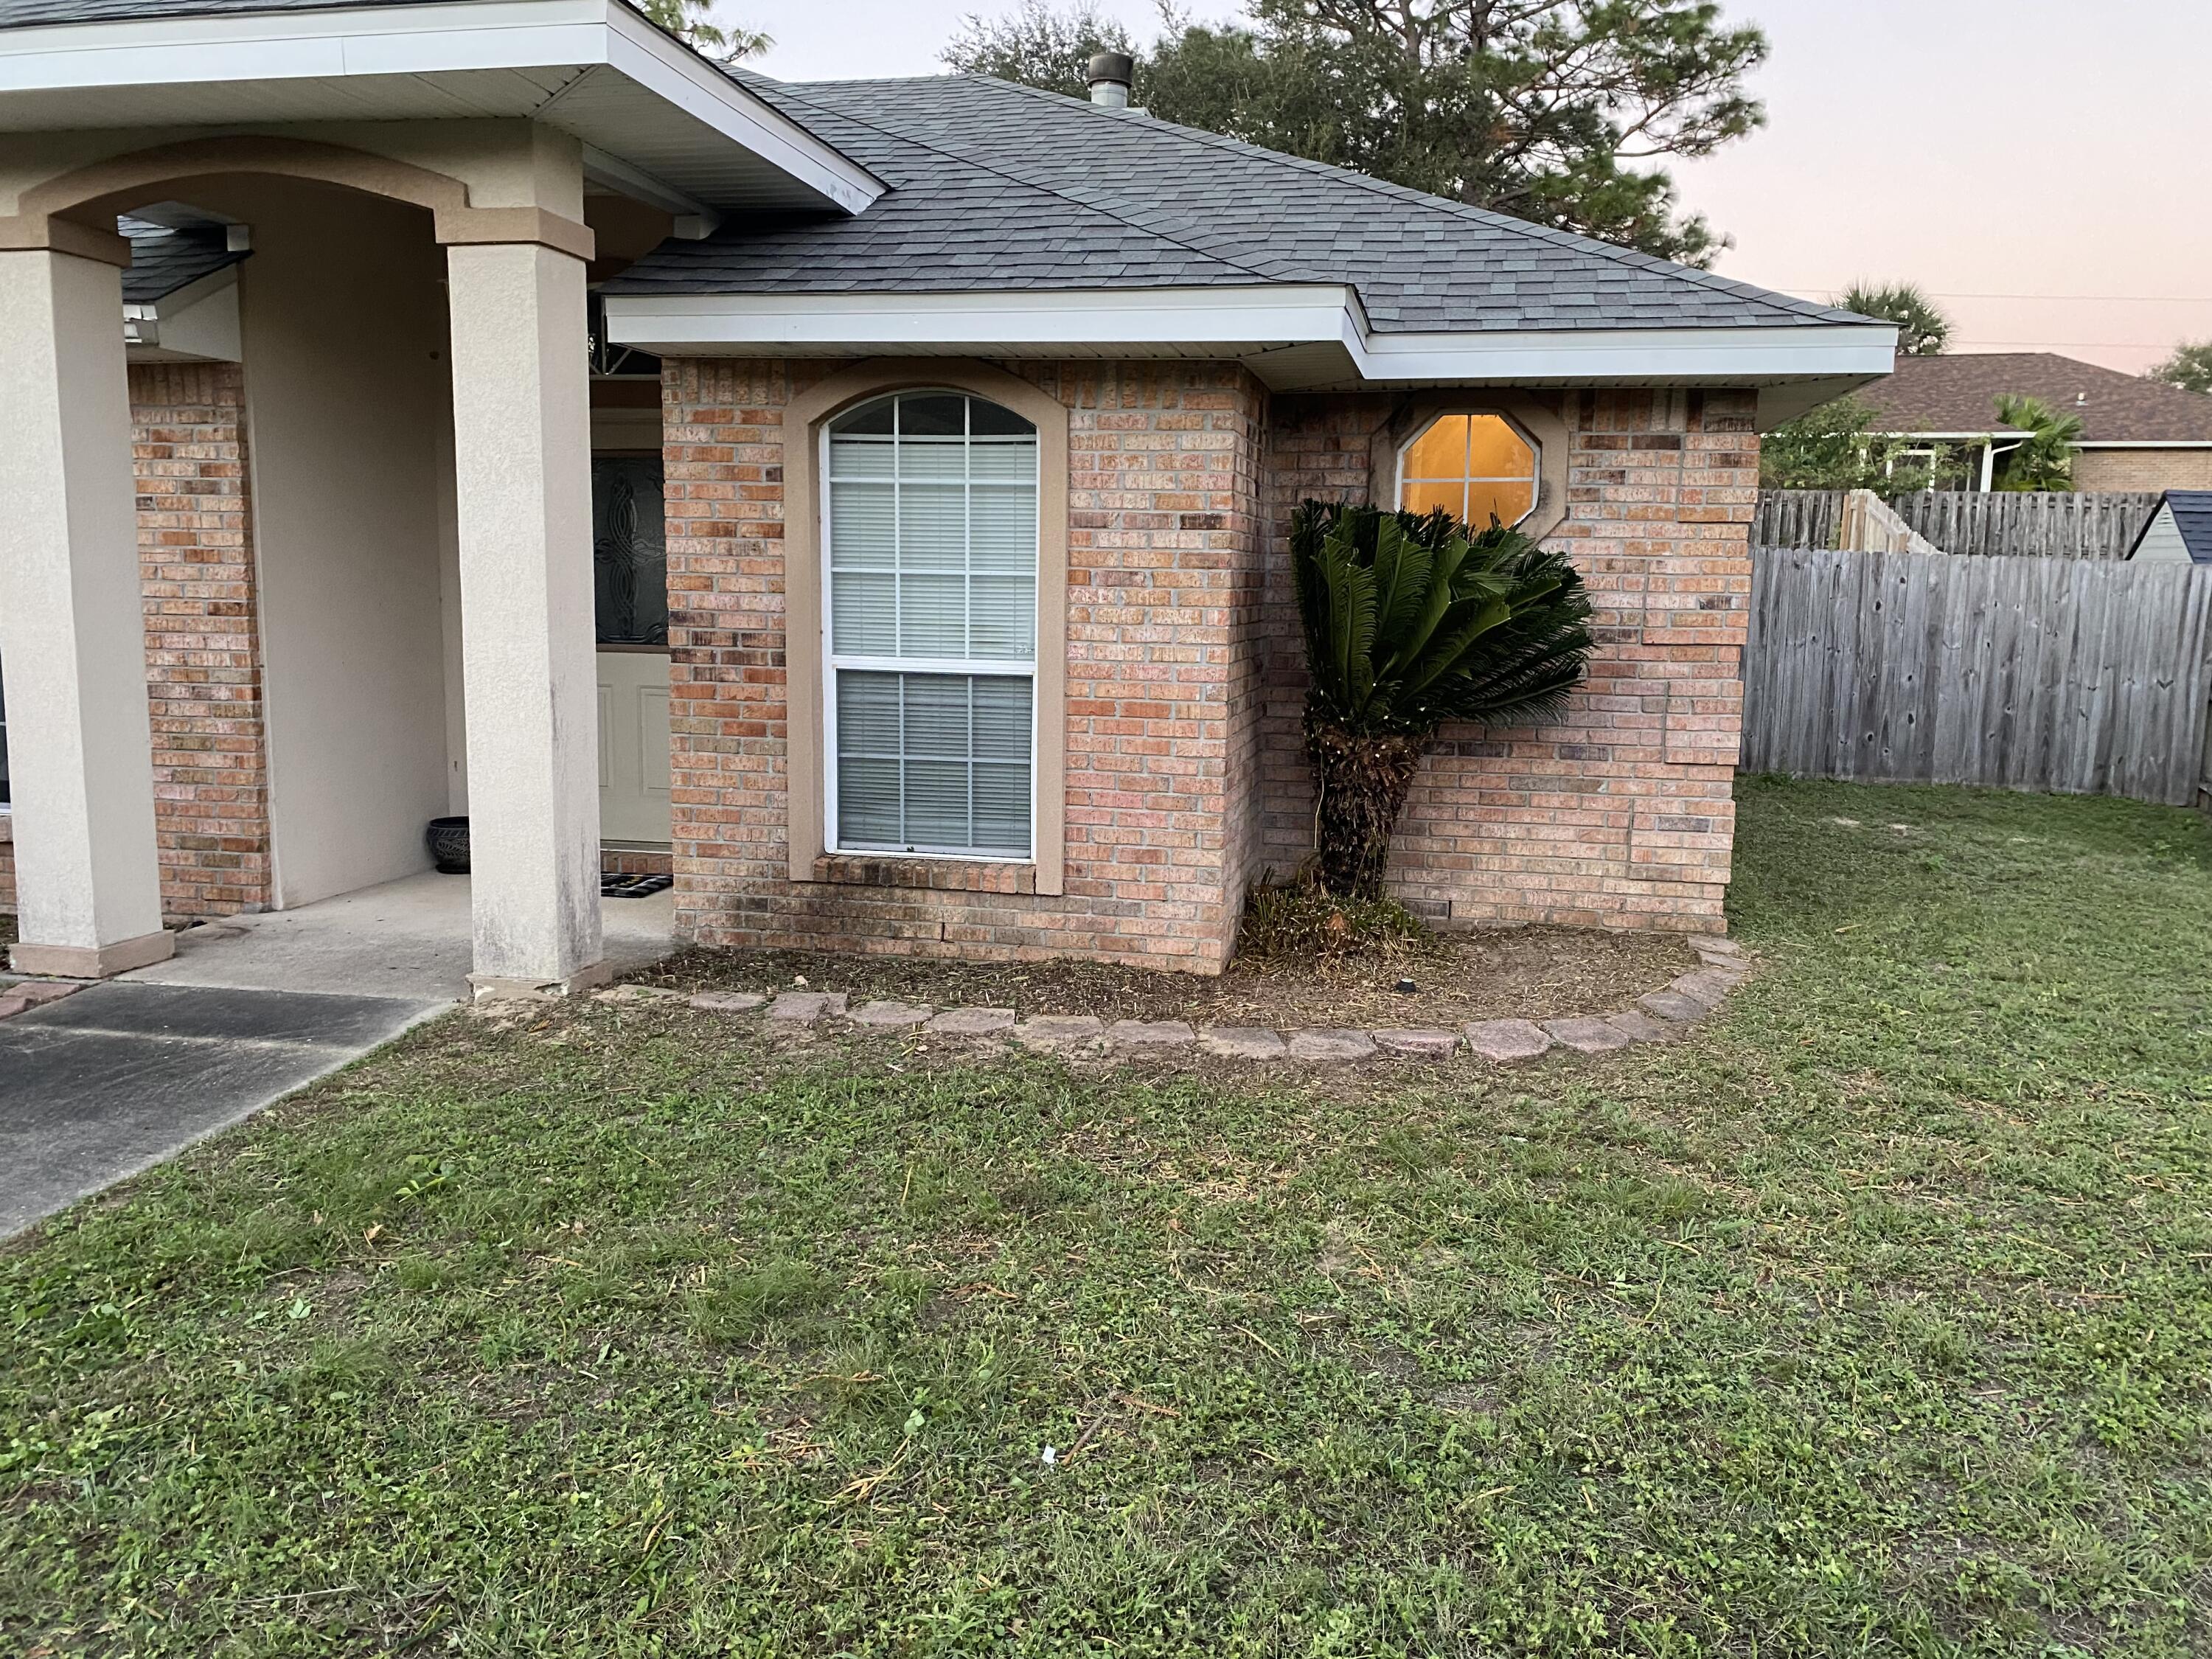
[[522, 465], [72, 636]]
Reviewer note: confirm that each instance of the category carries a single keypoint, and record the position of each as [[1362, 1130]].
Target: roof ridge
[[1488, 217], [893, 133]]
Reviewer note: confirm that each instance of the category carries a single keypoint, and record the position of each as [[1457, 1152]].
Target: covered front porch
[[330, 497]]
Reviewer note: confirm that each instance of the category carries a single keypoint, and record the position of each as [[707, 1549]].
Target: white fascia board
[[1947, 437], [1239, 319], [649, 57], [2143, 443], [1021, 317], [457, 36], [1746, 357]]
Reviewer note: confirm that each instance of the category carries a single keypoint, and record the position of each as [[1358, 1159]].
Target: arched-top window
[[1476, 467], [930, 523]]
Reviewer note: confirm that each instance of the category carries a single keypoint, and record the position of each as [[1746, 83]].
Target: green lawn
[[1878, 1320]]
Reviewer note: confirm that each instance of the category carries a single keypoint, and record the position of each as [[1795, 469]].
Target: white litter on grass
[[1844, 824], [1051, 1456]]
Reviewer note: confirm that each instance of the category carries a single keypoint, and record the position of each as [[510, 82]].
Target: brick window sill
[[938, 875]]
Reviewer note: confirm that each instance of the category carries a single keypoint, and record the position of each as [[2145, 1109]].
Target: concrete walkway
[[123, 1076], [119, 1077], [406, 938]]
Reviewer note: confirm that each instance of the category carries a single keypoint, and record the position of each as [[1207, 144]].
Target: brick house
[[2137, 433], [867, 502]]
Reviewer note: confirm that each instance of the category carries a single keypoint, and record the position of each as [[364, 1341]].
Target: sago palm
[[1412, 621]]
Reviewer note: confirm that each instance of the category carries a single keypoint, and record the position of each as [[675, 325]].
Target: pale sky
[[2044, 167]]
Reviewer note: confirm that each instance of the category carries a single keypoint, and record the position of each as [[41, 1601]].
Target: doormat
[[615, 887]]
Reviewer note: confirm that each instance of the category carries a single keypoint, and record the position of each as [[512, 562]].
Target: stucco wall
[[348, 397]]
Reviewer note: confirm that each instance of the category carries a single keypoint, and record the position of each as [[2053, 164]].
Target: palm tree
[[2045, 459], [1923, 330], [1412, 621]]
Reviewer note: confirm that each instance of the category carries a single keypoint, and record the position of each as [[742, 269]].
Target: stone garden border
[[1659, 1016]]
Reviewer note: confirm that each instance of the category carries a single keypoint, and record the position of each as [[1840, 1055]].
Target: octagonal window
[[1476, 467]]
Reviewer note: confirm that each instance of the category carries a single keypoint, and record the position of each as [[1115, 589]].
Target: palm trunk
[[1361, 783]]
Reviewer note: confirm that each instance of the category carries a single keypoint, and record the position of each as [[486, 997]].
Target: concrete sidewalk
[[406, 938], [120, 1077]]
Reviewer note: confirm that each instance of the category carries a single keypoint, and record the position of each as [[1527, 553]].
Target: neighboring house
[[868, 498], [2180, 532], [2136, 434]]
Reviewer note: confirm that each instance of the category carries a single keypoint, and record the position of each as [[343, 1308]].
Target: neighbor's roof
[[1960, 394], [995, 186], [163, 260]]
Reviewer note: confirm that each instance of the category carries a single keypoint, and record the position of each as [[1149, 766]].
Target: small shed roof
[[2191, 511]]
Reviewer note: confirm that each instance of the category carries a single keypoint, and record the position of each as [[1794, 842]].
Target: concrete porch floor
[[407, 939]]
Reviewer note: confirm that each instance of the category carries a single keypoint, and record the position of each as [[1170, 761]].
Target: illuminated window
[[1476, 467]]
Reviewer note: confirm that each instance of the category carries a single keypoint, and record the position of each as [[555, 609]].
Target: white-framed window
[[929, 518], [1474, 466]]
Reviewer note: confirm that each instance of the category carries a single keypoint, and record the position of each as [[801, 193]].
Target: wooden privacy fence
[[2079, 525], [2049, 674]]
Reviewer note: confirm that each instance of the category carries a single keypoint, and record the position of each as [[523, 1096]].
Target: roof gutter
[[1294, 336]]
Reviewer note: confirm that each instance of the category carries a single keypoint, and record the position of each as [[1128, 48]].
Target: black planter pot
[[448, 842]]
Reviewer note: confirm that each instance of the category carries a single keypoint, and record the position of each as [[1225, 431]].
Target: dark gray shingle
[[31, 13], [163, 260], [995, 186]]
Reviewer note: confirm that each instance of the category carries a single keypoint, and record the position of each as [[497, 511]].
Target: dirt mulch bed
[[1525, 973]]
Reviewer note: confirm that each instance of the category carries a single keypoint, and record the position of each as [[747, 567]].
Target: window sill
[[936, 874]]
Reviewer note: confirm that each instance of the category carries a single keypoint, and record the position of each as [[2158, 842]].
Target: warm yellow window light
[[1476, 467]]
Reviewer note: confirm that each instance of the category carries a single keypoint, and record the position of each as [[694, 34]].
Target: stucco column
[[522, 469], [72, 636]]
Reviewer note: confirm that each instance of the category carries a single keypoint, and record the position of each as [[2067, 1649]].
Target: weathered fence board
[[2058, 674], [2101, 524]]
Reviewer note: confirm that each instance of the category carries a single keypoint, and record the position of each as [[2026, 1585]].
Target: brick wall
[[1622, 814], [2143, 469], [1163, 681], [202, 641]]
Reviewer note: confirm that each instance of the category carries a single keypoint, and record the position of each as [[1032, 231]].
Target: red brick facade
[[1621, 814], [203, 637], [1186, 773], [1163, 680], [202, 641]]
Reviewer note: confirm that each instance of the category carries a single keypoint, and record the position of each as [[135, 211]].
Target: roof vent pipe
[[1110, 78]]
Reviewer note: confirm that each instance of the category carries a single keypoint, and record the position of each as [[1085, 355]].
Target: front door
[[629, 568]]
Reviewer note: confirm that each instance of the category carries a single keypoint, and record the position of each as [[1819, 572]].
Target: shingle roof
[[1960, 394], [31, 13], [996, 185], [163, 260], [2192, 519]]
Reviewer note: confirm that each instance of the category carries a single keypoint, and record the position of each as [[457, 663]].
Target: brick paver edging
[[1659, 1016]]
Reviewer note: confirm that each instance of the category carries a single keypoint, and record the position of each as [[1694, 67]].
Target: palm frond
[[1410, 621]]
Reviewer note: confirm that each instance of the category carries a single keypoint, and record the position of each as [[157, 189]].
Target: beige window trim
[[1540, 422], [803, 419]]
